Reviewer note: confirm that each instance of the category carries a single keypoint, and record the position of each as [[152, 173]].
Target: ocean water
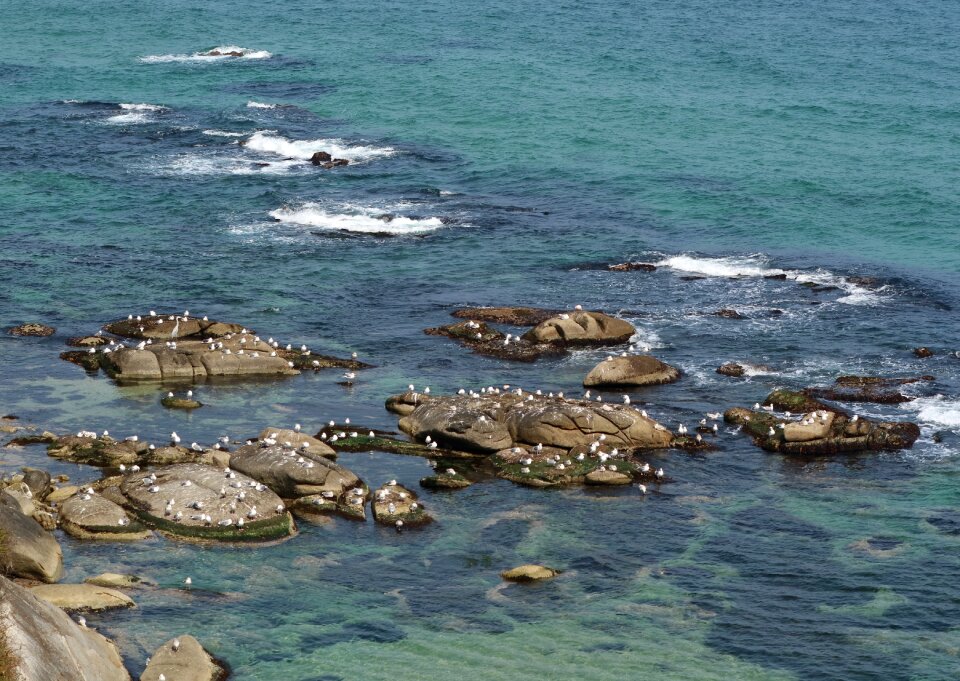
[[519, 147]]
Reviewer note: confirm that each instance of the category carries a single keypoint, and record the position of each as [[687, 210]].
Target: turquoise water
[[519, 145]]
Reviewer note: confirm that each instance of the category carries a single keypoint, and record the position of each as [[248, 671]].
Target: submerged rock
[[631, 371], [485, 340], [47, 644], [450, 479], [361, 440], [82, 597], [202, 502], [514, 316], [174, 402], [117, 581], [26, 549], [394, 503], [632, 267], [31, 329], [529, 573], [821, 431], [727, 313], [183, 659], [866, 389]]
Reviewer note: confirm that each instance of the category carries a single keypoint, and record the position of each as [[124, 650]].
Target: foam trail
[[217, 54], [260, 105], [224, 133], [937, 411], [360, 219], [304, 149]]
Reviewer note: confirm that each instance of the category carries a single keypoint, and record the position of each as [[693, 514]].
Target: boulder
[[489, 423], [26, 549], [42, 642], [20, 494], [196, 501], [96, 451], [297, 440], [485, 340], [31, 329], [87, 341], [608, 477], [731, 369], [62, 494], [38, 481], [171, 327], [551, 467], [350, 503], [393, 504], [727, 313], [923, 352], [529, 573], [821, 432], [116, 581], [632, 267], [320, 157], [183, 659], [450, 479], [405, 403], [866, 389], [365, 440], [76, 597], [292, 472], [174, 402], [581, 328], [91, 516], [630, 371]]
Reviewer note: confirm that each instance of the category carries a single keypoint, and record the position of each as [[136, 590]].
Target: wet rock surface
[[50, 645], [31, 329], [731, 369], [196, 501], [866, 389], [88, 515], [82, 597], [393, 504], [630, 371]]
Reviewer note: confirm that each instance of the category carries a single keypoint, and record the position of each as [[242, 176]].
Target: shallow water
[[516, 145]]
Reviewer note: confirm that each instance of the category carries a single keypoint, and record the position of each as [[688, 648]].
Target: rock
[[349, 503], [632, 267], [581, 328], [392, 503], [50, 645], [493, 422], [320, 157], [485, 340], [6, 428], [26, 549], [218, 495], [515, 316], [183, 659], [360, 440], [180, 403], [826, 432], [20, 494], [91, 516], [607, 477], [631, 371], [866, 389], [923, 352], [61, 494], [87, 341], [405, 403], [797, 402], [38, 481], [31, 329], [218, 53], [529, 573], [116, 581], [731, 369], [96, 451], [292, 472], [728, 314], [45, 518], [298, 440], [75, 597], [83, 358], [340, 162], [447, 480]]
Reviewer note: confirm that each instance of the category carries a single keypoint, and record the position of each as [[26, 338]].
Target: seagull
[[715, 415], [188, 581], [771, 432], [626, 399], [174, 438], [642, 488], [854, 418]]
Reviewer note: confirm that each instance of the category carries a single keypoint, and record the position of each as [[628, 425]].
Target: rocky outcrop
[[297, 440], [632, 267], [91, 516], [581, 328], [97, 451], [395, 505], [362, 440], [630, 371], [26, 549], [731, 369], [597, 464], [449, 479], [821, 431], [923, 352], [42, 642], [174, 402], [513, 316], [117, 581], [183, 659], [31, 329], [196, 501], [82, 597], [291, 471], [490, 423], [485, 340], [529, 573], [866, 389], [405, 403]]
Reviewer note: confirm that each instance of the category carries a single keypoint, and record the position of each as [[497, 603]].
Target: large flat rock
[[630, 371], [581, 328], [76, 597], [292, 472], [91, 516]]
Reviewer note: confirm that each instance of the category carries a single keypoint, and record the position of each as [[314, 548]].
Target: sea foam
[[360, 219], [206, 56], [304, 149], [937, 411]]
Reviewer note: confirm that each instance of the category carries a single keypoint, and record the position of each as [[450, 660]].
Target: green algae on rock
[[395, 505]]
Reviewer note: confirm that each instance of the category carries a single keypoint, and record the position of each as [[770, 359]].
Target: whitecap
[[260, 105], [133, 117], [304, 149], [223, 50], [143, 107], [360, 219], [224, 133], [937, 411], [193, 164]]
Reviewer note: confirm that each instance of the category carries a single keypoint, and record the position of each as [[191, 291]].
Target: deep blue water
[[518, 145]]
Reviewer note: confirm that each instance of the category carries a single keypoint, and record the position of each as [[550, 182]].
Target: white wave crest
[[216, 54], [937, 411], [361, 219], [192, 164], [134, 118], [304, 149], [260, 105], [143, 107], [756, 266], [224, 133]]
